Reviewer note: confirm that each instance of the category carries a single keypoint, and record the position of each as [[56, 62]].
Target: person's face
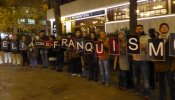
[[102, 35], [164, 29], [50, 38], [68, 36], [14, 37], [156, 34], [78, 33], [139, 29], [41, 34], [84, 34], [92, 36], [23, 38], [6, 38], [33, 38], [120, 35]]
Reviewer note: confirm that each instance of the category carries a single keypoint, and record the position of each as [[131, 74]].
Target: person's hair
[[94, 35], [139, 25], [163, 25], [69, 34], [53, 37]]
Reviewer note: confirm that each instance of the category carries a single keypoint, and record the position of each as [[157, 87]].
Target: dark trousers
[[123, 79], [69, 67], [93, 70], [60, 61], [76, 65], [25, 59], [170, 77], [152, 75]]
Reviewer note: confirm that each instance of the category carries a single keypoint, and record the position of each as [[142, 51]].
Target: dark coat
[[163, 66]]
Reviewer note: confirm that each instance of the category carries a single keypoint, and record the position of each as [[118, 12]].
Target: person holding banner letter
[[165, 69], [33, 52], [24, 52], [1, 53], [93, 64], [15, 50], [104, 60], [44, 51], [123, 61], [76, 58], [140, 64], [6, 50], [68, 56], [85, 59]]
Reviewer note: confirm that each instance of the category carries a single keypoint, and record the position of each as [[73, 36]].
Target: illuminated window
[[43, 22], [21, 21], [31, 21], [147, 8]]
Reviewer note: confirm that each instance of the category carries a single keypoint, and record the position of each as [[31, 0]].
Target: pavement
[[24, 83]]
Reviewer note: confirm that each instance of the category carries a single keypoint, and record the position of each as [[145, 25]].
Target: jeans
[[33, 62], [141, 68], [123, 79], [104, 70], [169, 75], [44, 57], [32, 59]]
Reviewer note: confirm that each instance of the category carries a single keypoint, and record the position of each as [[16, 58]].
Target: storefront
[[88, 22], [115, 15], [149, 13]]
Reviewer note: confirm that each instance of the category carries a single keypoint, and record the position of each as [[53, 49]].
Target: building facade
[[112, 15]]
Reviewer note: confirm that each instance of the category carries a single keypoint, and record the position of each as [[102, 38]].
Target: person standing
[[33, 52], [166, 69], [24, 52], [44, 51], [76, 58], [93, 61], [140, 65], [15, 50], [104, 60], [85, 58], [123, 62], [1, 53], [6, 50]]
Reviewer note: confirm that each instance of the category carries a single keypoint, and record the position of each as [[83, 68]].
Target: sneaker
[[78, 75], [74, 74]]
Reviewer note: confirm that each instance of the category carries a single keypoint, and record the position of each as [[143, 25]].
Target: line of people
[[98, 68]]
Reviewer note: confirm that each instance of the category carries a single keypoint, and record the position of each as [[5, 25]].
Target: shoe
[[78, 75], [106, 84], [101, 82], [74, 74], [133, 92], [59, 70], [146, 97]]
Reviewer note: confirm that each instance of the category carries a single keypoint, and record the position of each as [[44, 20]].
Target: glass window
[[31, 21], [43, 22], [145, 9], [21, 21]]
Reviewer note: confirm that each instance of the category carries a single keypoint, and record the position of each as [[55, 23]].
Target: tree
[[11, 11], [133, 15], [57, 12]]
